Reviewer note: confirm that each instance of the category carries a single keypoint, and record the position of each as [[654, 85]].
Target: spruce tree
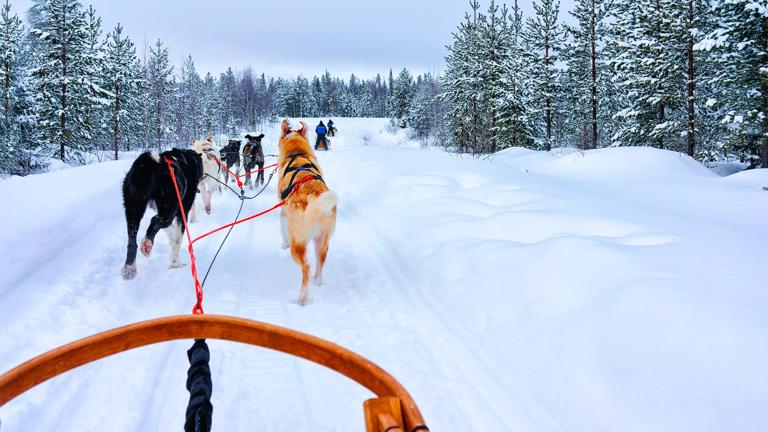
[[739, 49], [515, 119], [400, 99], [588, 73], [122, 78], [461, 83], [544, 36], [159, 91], [11, 78], [62, 80]]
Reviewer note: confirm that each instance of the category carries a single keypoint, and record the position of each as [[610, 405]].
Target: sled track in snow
[[391, 263]]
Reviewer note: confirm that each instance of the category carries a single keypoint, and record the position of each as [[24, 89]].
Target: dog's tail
[[325, 204]]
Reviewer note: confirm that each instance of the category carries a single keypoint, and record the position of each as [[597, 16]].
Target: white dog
[[212, 173]]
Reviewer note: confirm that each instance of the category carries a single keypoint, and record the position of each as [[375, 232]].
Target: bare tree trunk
[[116, 125], [548, 145], [63, 116], [7, 89], [660, 139], [691, 84], [764, 94], [474, 124], [594, 77]]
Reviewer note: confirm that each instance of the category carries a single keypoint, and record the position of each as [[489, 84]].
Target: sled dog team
[[309, 213]]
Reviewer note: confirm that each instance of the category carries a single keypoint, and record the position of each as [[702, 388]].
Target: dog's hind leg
[[284, 227], [134, 211], [174, 239], [321, 252], [298, 252], [260, 175], [193, 213]]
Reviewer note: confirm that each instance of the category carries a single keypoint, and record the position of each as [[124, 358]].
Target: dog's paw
[[176, 265], [317, 280], [146, 247], [208, 209], [302, 301], [128, 272], [284, 245]]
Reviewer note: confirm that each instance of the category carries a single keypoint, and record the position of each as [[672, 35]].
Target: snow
[[616, 289]]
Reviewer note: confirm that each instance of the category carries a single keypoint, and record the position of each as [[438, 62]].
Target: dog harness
[[309, 166]]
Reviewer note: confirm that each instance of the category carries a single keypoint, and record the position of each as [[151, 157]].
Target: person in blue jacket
[[321, 131], [331, 130]]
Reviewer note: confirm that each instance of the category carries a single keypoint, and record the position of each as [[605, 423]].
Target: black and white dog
[[149, 182], [230, 155], [253, 155]]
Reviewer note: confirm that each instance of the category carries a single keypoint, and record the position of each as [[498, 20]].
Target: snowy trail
[[530, 292]]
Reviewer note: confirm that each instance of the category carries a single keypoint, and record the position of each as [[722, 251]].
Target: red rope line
[[235, 176], [255, 171], [198, 308]]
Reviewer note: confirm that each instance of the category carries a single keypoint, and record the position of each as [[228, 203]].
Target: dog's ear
[[261, 136], [303, 130], [209, 138], [284, 128]]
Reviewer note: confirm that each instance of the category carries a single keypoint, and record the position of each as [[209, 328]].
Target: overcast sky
[[342, 36]]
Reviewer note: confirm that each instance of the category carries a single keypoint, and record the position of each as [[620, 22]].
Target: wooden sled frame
[[393, 410]]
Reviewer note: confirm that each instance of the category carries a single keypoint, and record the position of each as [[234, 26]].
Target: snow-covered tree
[[98, 97], [209, 105], [651, 45], [461, 83], [122, 78], [739, 49], [159, 89], [62, 79], [12, 76], [544, 36], [588, 74], [515, 113], [400, 99]]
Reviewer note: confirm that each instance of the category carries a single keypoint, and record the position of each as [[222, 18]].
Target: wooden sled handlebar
[[393, 404]]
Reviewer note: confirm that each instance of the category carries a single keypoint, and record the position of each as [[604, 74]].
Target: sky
[[305, 37]]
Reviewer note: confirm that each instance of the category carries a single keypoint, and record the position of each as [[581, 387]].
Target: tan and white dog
[[309, 213], [212, 172]]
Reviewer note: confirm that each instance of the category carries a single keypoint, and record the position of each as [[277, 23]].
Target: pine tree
[[588, 72], [494, 49], [400, 99], [461, 83], [515, 120], [651, 46], [543, 37], [227, 96], [159, 90], [98, 98], [189, 97], [739, 47], [62, 80], [209, 105], [122, 77], [11, 79]]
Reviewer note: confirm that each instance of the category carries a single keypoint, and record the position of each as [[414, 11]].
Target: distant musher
[[331, 129], [321, 131]]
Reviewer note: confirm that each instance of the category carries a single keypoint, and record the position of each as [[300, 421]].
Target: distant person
[[321, 131], [331, 129]]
